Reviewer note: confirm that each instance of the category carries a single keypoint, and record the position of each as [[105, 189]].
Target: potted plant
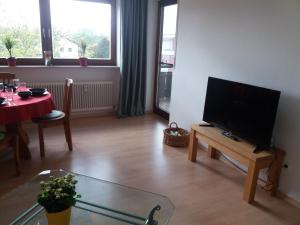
[[82, 48], [57, 196], [9, 44]]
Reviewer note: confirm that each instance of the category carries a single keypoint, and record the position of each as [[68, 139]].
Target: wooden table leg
[[23, 134], [251, 182], [211, 152], [275, 170], [23, 138], [193, 146]]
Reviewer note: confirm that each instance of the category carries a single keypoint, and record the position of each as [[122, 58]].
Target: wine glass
[[22, 86], [16, 83], [9, 93]]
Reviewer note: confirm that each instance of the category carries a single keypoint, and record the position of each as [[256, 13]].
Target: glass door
[[166, 50]]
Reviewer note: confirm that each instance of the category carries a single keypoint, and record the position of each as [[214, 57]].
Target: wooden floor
[[130, 152]]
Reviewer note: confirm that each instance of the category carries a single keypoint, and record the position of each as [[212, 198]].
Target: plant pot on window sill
[[11, 61], [83, 61], [59, 218]]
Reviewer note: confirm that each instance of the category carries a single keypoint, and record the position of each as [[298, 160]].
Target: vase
[[59, 218], [48, 58], [11, 61], [82, 61]]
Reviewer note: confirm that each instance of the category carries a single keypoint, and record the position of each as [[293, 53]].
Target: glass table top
[[101, 203]]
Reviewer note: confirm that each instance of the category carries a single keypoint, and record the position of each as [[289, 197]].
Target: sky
[[15, 12], [170, 20], [67, 14], [70, 15]]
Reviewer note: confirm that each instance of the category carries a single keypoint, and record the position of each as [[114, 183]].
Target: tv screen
[[246, 111]]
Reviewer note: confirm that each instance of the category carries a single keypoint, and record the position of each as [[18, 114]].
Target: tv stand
[[240, 151], [230, 135]]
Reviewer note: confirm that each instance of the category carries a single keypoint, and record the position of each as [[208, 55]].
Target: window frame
[[46, 39]]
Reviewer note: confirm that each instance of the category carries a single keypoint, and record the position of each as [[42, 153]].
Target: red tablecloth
[[26, 109]]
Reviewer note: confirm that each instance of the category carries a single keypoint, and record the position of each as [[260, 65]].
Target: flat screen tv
[[243, 110]]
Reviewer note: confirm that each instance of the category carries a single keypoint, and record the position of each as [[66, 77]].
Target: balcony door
[[166, 49]]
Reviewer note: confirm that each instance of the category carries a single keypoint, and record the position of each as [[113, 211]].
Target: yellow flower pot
[[59, 218]]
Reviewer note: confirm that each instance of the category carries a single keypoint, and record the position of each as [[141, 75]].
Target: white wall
[[250, 41]]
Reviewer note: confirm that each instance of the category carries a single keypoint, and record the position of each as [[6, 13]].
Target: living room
[[250, 42]]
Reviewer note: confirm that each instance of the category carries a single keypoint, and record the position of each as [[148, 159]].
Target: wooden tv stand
[[238, 150]]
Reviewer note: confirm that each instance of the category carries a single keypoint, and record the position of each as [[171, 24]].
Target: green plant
[[9, 44], [58, 194], [82, 47]]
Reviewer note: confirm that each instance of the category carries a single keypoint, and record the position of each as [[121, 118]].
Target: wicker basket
[[175, 136]]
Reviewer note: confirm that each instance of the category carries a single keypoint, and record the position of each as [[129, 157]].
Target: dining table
[[19, 110]]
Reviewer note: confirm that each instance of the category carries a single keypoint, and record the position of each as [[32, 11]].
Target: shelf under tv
[[240, 151]]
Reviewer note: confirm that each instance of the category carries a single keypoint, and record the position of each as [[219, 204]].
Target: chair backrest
[[68, 97], [6, 77]]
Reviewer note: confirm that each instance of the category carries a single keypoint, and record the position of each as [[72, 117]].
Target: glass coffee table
[[102, 203]]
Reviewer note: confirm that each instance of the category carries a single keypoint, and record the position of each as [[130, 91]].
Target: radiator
[[87, 96]]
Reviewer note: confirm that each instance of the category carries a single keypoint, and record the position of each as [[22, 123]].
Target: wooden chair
[[9, 140], [57, 118], [6, 77]]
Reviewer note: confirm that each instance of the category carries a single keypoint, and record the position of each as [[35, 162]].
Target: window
[[59, 26], [77, 26], [20, 21]]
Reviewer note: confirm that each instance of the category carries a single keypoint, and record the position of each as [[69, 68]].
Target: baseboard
[[288, 199], [148, 111], [99, 113], [93, 114]]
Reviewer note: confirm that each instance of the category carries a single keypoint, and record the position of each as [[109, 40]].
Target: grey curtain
[[133, 57]]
